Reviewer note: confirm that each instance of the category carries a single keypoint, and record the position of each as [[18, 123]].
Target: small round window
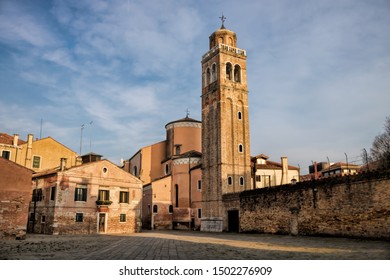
[[105, 170]]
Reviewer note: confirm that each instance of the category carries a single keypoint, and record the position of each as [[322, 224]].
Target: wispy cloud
[[314, 68]]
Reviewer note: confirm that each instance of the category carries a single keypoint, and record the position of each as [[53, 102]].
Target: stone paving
[[182, 245]]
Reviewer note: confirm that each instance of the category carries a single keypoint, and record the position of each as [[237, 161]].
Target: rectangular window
[[123, 197], [122, 218], [53, 193], [37, 195], [104, 195], [199, 213], [6, 154], [176, 195], [258, 178], [80, 194], [36, 162], [79, 217], [43, 219], [199, 185], [267, 180]]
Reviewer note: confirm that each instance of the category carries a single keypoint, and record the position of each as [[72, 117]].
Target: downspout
[[190, 190], [35, 205]]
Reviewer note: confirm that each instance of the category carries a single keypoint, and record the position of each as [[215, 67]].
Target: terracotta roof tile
[[9, 140]]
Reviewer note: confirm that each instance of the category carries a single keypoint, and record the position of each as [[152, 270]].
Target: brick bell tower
[[225, 127]]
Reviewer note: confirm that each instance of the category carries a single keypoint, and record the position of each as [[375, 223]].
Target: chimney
[[79, 161], [16, 139], [315, 171], [28, 158], [284, 170], [62, 164]]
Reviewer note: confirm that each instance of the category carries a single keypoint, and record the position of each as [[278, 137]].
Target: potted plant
[[103, 205], [103, 202]]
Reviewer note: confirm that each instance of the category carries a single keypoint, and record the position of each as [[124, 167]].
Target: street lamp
[[81, 135], [346, 157]]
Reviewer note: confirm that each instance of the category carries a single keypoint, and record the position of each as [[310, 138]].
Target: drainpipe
[[190, 190], [35, 205], [62, 164]]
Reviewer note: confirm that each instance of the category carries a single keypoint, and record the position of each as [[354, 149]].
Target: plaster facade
[[171, 175], [38, 155], [269, 173]]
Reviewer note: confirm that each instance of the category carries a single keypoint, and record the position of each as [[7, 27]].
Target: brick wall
[[353, 206], [15, 194]]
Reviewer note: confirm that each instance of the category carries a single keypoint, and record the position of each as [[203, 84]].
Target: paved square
[[182, 245]]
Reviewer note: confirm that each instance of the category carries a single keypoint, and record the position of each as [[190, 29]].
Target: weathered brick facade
[[225, 126], [353, 206], [65, 200], [15, 194]]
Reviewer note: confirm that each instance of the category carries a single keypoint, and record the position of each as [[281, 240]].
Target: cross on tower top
[[187, 113], [223, 18]]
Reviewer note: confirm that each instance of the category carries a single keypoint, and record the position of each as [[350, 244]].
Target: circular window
[[104, 169]]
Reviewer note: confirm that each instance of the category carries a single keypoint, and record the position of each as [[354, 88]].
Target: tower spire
[[223, 18]]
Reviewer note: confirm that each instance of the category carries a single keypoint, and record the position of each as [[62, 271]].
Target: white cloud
[[133, 66], [18, 26]]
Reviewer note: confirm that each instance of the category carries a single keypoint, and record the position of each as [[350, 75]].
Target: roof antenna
[[40, 130]]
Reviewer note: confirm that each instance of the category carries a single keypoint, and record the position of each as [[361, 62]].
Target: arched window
[[240, 148], [170, 209], [239, 115], [166, 168], [229, 70], [220, 40], [230, 181], [214, 73], [208, 76], [176, 195], [237, 73], [155, 208], [241, 181]]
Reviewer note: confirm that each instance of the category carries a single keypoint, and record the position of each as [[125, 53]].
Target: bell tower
[[225, 126]]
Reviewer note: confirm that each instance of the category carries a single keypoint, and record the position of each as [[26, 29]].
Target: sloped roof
[[9, 140], [188, 154], [339, 165], [263, 156], [274, 165], [83, 166]]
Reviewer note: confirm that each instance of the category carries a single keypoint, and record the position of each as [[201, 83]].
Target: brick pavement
[[180, 245]]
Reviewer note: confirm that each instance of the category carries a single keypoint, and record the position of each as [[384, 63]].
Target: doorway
[[102, 223], [233, 221]]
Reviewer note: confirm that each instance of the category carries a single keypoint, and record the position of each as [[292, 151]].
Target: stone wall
[[352, 206]]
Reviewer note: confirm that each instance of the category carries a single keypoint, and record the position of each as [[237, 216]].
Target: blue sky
[[318, 72]]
